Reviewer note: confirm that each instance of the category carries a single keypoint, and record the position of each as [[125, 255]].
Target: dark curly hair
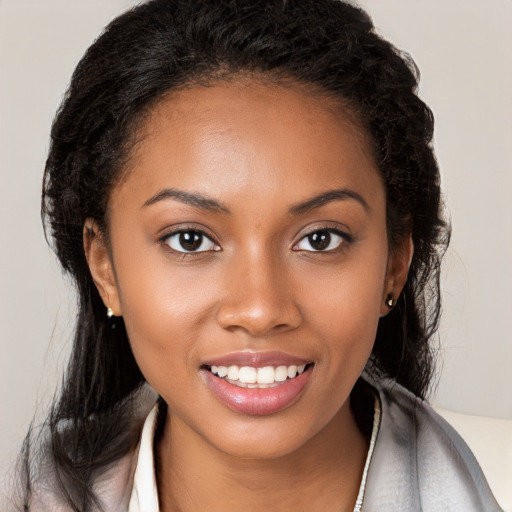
[[166, 44]]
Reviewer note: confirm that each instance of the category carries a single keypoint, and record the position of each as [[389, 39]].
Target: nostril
[[260, 320]]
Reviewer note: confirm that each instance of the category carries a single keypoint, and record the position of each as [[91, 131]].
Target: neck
[[323, 474]]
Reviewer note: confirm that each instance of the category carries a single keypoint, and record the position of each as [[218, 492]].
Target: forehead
[[233, 136]]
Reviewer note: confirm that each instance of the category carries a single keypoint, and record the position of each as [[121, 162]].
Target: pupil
[[320, 240], [191, 240]]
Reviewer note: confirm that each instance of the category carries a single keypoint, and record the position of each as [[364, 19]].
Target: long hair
[[166, 44]]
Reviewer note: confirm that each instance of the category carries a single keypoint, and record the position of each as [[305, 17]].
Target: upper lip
[[257, 359]]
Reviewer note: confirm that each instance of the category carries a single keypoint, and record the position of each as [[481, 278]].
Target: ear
[[396, 274], [100, 265]]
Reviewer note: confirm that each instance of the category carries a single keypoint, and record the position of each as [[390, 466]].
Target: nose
[[259, 297]]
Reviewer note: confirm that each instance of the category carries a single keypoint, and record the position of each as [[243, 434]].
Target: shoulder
[[42, 483], [420, 462], [112, 489]]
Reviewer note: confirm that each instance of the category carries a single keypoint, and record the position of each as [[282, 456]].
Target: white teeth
[[247, 374], [291, 371], [222, 371], [264, 377], [233, 373], [281, 373]]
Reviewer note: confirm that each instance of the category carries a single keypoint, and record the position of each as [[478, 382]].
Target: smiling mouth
[[258, 378]]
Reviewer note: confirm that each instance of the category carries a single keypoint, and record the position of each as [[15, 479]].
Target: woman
[[248, 201]]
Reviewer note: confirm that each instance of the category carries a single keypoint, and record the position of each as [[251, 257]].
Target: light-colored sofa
[[490, 439]]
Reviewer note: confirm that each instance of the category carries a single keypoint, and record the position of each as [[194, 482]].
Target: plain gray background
[[462, 48]]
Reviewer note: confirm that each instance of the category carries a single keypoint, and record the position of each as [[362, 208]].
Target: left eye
[[321, 240], [190, 241]]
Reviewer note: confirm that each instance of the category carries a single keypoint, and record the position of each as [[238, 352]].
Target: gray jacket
[[419, 464]]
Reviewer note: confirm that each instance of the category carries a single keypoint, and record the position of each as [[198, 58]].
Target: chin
[[261, 447]]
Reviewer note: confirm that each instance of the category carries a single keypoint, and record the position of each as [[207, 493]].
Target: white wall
[[41, 41], [462, 48]]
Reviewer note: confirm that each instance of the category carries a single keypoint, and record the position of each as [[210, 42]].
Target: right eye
[[190, 241], [322, 240]]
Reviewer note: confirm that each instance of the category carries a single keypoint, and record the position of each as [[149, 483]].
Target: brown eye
[[190, 241], [321, 240]]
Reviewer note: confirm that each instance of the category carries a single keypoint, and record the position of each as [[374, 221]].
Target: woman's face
[[250, 234]]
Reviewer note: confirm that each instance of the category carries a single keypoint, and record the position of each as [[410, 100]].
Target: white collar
[[144, 497]]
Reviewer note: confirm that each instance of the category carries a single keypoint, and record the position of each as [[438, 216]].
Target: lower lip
[[254, 401]]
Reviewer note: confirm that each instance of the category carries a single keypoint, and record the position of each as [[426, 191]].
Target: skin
[[259, 150]]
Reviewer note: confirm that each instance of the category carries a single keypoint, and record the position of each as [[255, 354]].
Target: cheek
[[349, 295], [344, 308], [165, 314]]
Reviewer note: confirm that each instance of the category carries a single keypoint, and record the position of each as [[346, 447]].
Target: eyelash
[[182, 231], [345, 239]]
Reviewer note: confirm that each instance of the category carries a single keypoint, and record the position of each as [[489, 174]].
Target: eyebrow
[[212, 205], [340, 194], [191, 198]]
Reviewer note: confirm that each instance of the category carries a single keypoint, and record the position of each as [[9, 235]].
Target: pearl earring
[[390, 301], [110, 313]]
